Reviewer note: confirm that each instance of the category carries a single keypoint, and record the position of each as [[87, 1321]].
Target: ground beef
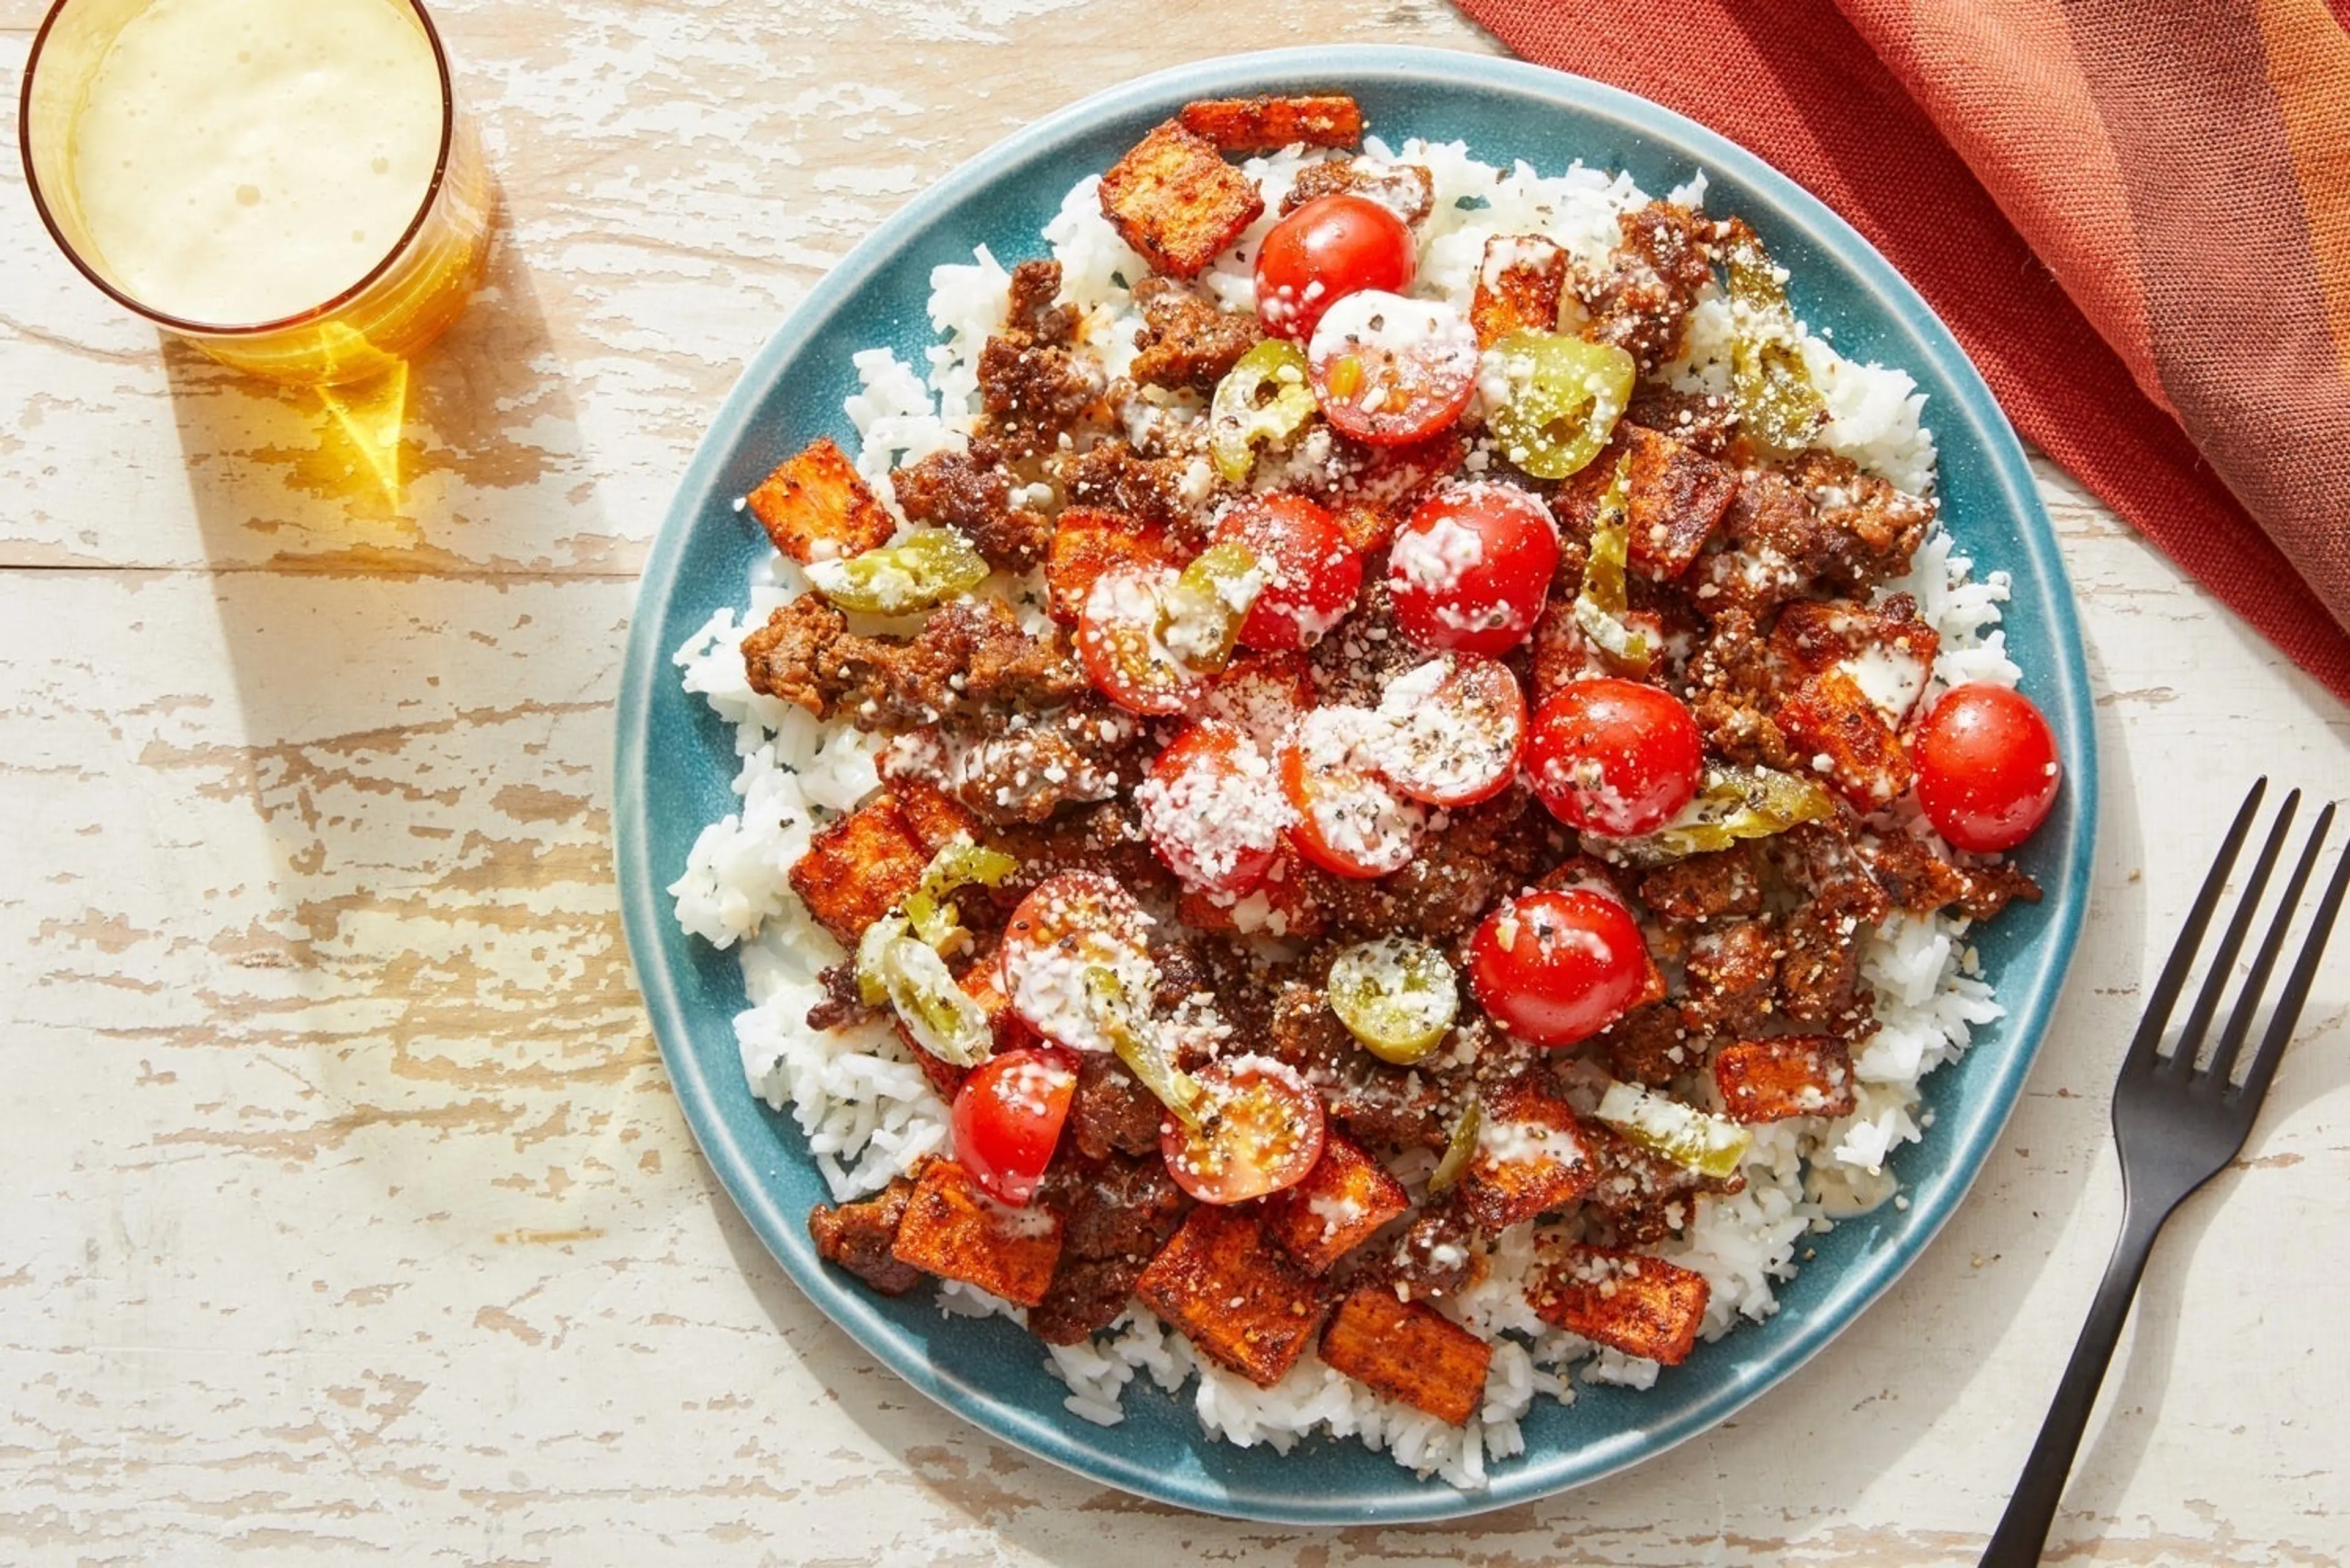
[[1641, 1199], [1034, 396], [1639, 298], [1123, 1206], [1116, 478], [1187, 339], [1112, 1111], [1025, 768], [1107, 837], [1485, 852], [1409, 190], [781, 659], [1921, 882], [1354, 662], [1706, 887], [1732, 973], [1029, 309], [1650, 1046], [1087, 1296], [1706, 421], [1033, 389], [972, 491], [1873, 530], [969, 655], [858, 1236], [843, 1004], [1375, 1102], [1732, 683], [1819, 979], [1434, 1256], [1772, 546]]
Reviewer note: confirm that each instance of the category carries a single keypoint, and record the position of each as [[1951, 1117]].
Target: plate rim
[[642, 887]]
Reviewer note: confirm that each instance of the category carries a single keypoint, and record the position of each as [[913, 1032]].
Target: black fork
[[2179, 1126]]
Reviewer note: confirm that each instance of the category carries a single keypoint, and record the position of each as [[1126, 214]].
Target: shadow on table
[[421, 764], [1779, 1469]]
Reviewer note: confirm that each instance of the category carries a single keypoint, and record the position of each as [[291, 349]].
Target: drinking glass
[[402, 302]]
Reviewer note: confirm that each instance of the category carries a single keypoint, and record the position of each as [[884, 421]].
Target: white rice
[[869, 1115]]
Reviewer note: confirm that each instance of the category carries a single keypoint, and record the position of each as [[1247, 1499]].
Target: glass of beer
[[288, 184]]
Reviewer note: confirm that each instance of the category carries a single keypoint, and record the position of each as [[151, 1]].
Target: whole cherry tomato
[[1987, 768], [1329, 248], [1614, 757], [1007, 1120], [1469, 570], [1557, 967]]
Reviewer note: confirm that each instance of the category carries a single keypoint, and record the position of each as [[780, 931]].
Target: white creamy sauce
[[239, 161]]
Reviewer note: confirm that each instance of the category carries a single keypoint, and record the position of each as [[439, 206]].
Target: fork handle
[[2024, 1529]]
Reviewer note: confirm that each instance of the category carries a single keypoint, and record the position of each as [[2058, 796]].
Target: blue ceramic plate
[[675, 760]]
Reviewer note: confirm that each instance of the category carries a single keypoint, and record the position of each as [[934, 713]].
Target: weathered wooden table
[[347, 1215]]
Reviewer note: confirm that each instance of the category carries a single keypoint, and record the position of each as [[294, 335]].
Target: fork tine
[[2223, 963], [2240, 1020], [2296, 989], [2182, 954]]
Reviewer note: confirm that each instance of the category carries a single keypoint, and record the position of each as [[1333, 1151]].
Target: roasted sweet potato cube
[[1409, 1352], [815, 508], [1638, 1305], [955, 1230], [1786, 1075], [1833, 726], [857, 867], [1175, 200], [933, 816], [1518, 288], [1886, 649], [1088, 542], [1344, 1199], [1234, 1295], [1530, 1156], [1266, 124]]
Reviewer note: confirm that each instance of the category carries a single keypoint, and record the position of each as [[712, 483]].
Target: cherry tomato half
[[1007, 1119], [1330, 248], [1067, 925], [1456, 727], [1120, 646], [1349, 822], [1614, 756], [1470, 569], [1387, 370], [1311, 573], [1557, 967], [1263, 1131], [1987, 768], [1213, 809]]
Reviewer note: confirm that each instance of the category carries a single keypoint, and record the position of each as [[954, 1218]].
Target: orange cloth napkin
[[2134, 214]]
